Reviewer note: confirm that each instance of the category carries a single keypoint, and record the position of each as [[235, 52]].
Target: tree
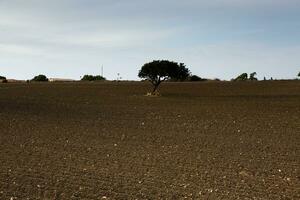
[[299, 74], [158, 71], [242, 77], [40, 78], [252, 76], [93, 78]]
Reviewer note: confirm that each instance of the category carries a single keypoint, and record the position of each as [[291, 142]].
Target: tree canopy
[[182, 73], [158, 71]]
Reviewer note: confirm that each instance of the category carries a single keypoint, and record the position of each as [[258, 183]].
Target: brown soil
[[110, 141]]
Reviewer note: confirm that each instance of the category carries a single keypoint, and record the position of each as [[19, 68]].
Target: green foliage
[[242, 77], [299, 74], [40, 78], [93, 78], [162, 70], [196, 78], [158, 70], [182, 73], [252, 76]]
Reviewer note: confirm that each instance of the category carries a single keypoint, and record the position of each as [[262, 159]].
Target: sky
[[214, 38]]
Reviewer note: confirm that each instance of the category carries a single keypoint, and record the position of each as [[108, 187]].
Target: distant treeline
[[156, 72]]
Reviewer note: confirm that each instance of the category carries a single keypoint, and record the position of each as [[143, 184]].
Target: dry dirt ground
[[108, 141]]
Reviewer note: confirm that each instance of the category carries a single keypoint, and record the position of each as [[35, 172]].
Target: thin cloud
[[213, 37], [19, 50]]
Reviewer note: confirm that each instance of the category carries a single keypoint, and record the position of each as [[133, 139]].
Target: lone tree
[[40, 78], [299, 74], [158, 71]]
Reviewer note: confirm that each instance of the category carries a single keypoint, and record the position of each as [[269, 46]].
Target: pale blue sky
[[216, 38]]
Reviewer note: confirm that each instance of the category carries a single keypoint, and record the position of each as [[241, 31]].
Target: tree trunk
[[155, 84], [155, 88]]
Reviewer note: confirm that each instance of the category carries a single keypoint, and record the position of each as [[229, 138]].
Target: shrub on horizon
[[242, 77], [40, 78], [93, 78], [3, 79], [196, 78], [252, 76]]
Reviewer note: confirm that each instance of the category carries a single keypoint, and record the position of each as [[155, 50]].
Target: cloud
[[114, 39], [10, 49]]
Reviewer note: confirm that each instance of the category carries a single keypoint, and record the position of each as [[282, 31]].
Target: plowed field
[[210, 140]]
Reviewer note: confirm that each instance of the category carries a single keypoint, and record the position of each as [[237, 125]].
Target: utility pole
[[102, 70]]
